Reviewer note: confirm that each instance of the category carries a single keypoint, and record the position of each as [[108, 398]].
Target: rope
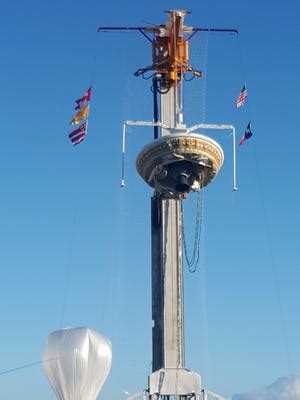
[[267, 229], [195, 89], [241, 58], [205, 62], [74, 229], [273, 265], [112, 271], [8, 371], [75, 215], [193, 261]]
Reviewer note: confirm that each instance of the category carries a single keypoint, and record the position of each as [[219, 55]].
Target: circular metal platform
[[178, 163]]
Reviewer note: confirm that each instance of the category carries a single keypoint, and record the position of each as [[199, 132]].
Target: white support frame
[[180, 129], [222, 127], [142, 393], [207, 393], [134, 123]]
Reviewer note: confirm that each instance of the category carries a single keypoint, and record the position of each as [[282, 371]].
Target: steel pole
[[167, 278]]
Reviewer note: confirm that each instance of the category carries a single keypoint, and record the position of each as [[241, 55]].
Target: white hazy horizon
[[284, 388]]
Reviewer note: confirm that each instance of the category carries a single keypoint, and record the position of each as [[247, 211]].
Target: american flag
[[242, 97], [79, 134]]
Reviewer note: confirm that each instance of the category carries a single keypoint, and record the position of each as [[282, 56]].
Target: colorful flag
[[79, 134], [82, 114], [84, 99], [242, 97], [247, 134]]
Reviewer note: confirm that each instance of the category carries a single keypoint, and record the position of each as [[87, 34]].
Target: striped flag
[[84, 99], [79, 134], [242, 97], [247, 135]]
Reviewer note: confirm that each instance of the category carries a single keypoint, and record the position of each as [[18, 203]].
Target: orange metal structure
[[170, 53]]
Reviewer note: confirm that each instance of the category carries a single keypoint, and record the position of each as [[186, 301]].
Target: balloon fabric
[[77, 362]]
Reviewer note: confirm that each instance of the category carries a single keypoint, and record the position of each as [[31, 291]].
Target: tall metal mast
[[177, 162], [169, 375], [167, 277]]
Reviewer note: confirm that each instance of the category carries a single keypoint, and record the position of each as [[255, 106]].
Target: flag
[[84, 99], [247, 134], [242, 97], [82, 114], [79, 134]]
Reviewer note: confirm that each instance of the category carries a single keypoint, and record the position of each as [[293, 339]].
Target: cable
[[69, 263], [148, 77], [188, 79], [205, 63], [273, 265], [8, 371], [193, 261], [267, 229]]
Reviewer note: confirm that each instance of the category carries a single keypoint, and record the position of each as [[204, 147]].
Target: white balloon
[[77, 362]]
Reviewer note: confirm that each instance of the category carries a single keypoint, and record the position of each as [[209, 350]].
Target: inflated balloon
[[77, 362]]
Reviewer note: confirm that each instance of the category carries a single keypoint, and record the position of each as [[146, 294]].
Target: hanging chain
[[193, 261]]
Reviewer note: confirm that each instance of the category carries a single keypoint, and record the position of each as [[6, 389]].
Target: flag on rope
[[81, 115], [240, 101], [247, 135], [79, 134], [84, 99]]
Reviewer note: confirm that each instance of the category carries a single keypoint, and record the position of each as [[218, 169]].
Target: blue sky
[[66, 224]]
